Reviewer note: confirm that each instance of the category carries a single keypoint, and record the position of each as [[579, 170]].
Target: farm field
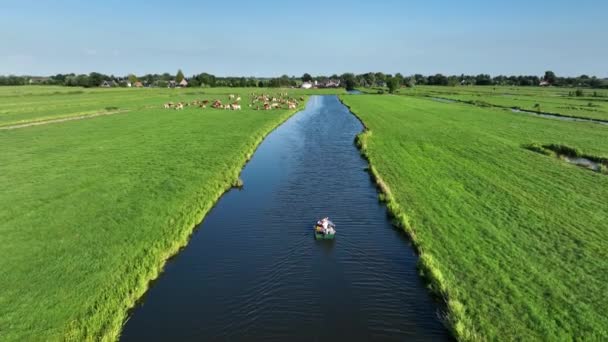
[[514, 240], [92, 208], [27, 104], [560, 101]]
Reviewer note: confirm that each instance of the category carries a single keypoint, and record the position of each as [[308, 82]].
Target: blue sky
[[270, 38]]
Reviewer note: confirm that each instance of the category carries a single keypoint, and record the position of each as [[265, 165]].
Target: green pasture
[[513, 240], [563, 101], [22, 105], [92, 208]]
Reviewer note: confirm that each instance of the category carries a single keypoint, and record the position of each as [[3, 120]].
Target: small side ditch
[[571, 155]]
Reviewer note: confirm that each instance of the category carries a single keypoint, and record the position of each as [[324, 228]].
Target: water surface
[[253, 271], [558, 117], [583, 162]]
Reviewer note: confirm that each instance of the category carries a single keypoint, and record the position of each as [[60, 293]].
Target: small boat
[[320, 234]]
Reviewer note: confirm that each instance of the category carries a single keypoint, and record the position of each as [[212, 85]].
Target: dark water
[[441, 99], [253, 271]]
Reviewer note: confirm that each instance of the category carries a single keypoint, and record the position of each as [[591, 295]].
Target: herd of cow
[[258, 102]]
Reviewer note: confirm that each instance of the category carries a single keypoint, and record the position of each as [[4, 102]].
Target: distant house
[[108, 84], [183, 83], [328, 84], [381, 84], [332, 84], [171, 84], [38, 80], [138, 84], [306, 85], [544, 83]]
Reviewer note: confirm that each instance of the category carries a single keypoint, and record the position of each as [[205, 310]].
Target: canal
[[253, 270]]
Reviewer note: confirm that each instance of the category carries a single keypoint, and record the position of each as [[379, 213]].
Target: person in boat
[[328, 227]]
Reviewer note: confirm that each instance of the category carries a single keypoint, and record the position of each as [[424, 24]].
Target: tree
[[180, 76], [95, 79], [420, 79], [194, 83], [132, 78], [380, 77], [400, 78], [82, 81], [393, 84], [595, 82], [550, 77], [284, 81], [349, 81], [306, 78], [437, 79], [411, 82], [483, 79], [370, 79]]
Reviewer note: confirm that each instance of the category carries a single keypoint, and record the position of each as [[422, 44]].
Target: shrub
[[564, 149], [538, 148], [579, 93]]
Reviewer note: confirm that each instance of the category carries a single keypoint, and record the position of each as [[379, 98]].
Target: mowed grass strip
[[515, 240], [92, 208]]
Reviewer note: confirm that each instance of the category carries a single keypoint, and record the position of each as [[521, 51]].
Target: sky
[[267, 38]]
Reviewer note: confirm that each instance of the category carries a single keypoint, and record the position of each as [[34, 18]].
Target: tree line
[[348, 80]]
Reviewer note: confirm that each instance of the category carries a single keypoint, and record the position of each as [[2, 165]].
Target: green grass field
[[93, 207], [22, 105], [549, 100], [514, 240]]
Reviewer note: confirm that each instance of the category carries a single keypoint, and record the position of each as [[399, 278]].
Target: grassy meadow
[[562, 101], [92, 208], [27, 104], [514, 240]]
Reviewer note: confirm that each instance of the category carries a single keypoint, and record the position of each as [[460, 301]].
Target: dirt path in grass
[[70, 118]]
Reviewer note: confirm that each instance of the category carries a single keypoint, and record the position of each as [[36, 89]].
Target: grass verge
[[511, 240]]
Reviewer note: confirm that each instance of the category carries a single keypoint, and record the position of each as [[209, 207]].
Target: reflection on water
[[583, 162], [253, 270]]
